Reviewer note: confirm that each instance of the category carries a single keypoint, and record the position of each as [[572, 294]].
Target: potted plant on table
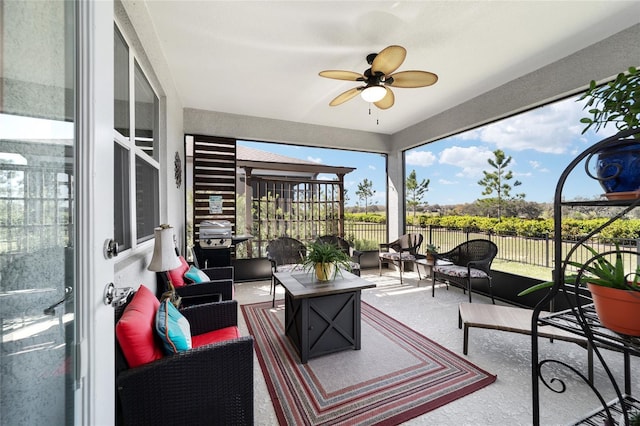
[[432, 251], [616, 294], [326, 260], [618, 103]]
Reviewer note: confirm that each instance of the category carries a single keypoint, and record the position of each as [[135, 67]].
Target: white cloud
[[420, 158], [472, 160], [447, 182], [552, 129], [326, 176], [317, 160], [372, 167], [537, 166]]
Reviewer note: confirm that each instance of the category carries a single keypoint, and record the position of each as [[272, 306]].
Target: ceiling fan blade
[[345, 96], [387, 101], [342, 75], [413, 79], [389, 59]]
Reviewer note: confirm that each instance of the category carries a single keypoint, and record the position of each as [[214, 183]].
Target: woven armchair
[[285, 254], [345, 246], [404, 249], [466, 264], [218, 289], [211, 384]]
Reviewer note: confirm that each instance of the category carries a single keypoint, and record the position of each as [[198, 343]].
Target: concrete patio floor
[[508, 401]]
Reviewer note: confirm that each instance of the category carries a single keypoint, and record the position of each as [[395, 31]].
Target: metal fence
[[538, 251]]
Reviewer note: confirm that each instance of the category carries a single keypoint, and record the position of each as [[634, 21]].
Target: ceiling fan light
[[373, 93]]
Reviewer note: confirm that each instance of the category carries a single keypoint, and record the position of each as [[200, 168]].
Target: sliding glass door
[[37, 212]]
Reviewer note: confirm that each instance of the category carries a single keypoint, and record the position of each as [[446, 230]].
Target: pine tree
[[365, 192], [497, 181], [415, 191]]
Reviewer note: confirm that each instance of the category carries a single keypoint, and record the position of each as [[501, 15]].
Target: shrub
[[364, 245], [571, 228]]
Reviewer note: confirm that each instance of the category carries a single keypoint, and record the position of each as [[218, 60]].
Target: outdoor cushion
[[397, 256], [220, 335], [459, 271], [173, 328], [196, 276], [135, 330], [177, 275]]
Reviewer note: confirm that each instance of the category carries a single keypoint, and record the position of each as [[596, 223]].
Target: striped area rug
[[398, 374]]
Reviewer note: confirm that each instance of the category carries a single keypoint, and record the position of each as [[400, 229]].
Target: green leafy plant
[[432, 248], [601, 271], [616, 102], [324, 253]]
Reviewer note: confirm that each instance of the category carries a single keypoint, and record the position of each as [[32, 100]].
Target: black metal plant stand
[[581, 318]]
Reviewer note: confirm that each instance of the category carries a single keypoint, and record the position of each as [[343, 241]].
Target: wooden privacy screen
[[214, 181]]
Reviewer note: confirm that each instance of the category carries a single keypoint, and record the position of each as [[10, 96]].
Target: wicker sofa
[[209, 384]]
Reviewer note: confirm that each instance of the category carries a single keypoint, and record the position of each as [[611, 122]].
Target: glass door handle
[[51, 310]]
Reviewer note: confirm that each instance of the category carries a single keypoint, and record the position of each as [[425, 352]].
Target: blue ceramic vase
[[618, 167]]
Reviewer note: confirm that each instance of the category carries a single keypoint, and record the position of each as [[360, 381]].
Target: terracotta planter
[[325, 271], [618, 310]]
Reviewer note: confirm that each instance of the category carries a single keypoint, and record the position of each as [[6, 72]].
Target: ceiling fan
[[379, 77]]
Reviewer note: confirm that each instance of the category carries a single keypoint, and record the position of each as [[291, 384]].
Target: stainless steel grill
[[216, 234]]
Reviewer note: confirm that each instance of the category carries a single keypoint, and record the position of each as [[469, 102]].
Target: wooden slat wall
[[214, 173]]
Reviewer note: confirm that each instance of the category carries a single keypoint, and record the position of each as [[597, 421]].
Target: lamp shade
[[164, 254], [373, 93]]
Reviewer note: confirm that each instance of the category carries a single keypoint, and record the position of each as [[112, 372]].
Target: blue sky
[[541, 142]]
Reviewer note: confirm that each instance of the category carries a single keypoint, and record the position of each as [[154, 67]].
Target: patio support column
[[248, 217], [341, 204], [395, 195]]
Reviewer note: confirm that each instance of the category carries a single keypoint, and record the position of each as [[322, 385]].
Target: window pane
[[147, 209], [122, 212], [121, 85], [146, 114]]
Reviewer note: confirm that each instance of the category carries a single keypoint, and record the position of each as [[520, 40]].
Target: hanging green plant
[[616, 102]]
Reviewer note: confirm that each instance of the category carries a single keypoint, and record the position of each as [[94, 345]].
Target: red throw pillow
[[177, 275], [135, 330]]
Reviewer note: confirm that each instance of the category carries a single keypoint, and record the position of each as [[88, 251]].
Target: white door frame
[[96, 402]]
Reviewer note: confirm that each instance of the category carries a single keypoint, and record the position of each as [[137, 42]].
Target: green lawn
[[523, 269]]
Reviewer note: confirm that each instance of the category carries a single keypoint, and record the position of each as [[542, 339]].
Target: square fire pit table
[[322, 317]]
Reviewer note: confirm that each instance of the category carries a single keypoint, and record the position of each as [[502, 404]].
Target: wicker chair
[[210, 384], [355, 255], [285, 254], [467, 263], [405, 249], [218, 289]]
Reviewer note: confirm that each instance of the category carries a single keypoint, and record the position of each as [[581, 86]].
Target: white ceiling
[[262, 58]]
